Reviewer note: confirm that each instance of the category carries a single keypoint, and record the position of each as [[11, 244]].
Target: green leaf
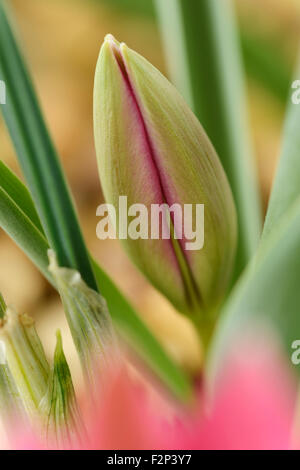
[[22, 230], [201, 48], [131, 6], [267, 293], [266, 63], [11, 184], [15, 221], [269, 289], [38, 158], [264, 57], [286, 187]]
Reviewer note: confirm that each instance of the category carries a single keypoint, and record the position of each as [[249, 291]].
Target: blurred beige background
[[61, 41]]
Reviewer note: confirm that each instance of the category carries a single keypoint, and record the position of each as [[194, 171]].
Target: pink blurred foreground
[[253, 408]]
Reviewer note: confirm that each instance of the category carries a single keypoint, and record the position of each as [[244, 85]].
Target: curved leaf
[[268, 292], [38, 158], [286, 187]]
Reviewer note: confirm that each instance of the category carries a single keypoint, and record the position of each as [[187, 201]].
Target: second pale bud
[[152, 150]]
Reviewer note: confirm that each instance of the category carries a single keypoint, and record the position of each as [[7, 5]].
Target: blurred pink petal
[[253, 408], [125, 419], [254, 404]]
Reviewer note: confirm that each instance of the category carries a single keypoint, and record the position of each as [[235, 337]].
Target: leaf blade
[[38, 157], [267, 294], [287, 180]]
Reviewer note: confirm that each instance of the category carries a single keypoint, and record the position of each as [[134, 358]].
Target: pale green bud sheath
[[88, 318], [25, 358], [64, 427], [11, 406], [151, 148], [2, 307]]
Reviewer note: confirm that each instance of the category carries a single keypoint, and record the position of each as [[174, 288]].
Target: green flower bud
[[151, 148]]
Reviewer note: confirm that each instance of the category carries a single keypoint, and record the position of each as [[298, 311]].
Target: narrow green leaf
[[15, 221], [269, 289], [201, 48], [266, 63], [286, 187], [38, 158], [264, 57]]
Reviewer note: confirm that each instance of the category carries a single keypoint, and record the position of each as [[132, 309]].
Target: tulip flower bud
[[151, 148]]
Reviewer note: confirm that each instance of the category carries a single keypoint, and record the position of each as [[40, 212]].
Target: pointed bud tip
[[59, 351], [59, 343], [110, 39], [117, 47]]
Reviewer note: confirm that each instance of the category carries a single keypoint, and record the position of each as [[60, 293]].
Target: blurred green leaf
[[269, 289], [286, 186], [142, 7], [15, 220], [268, 293], [38, 158], [267, 64], [202, 50]]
